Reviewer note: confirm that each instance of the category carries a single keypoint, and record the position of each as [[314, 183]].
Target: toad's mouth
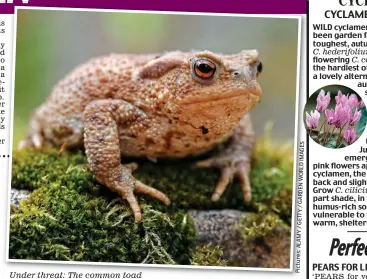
[[255, 94]]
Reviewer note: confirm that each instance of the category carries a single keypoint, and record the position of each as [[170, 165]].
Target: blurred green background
[[51, 43]]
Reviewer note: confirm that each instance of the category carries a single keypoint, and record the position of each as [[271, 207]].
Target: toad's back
[[60, 117]]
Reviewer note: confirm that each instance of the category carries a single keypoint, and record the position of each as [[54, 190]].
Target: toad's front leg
[[102, 118], [234, 160]]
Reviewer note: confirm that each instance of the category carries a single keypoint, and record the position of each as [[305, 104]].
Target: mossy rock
[[69, 216]]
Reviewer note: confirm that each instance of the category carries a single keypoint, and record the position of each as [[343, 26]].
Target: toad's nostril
[[260, 67], [236, 73]]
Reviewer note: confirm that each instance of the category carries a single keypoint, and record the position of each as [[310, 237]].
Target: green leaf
[[331, 143], [342, 145], [362, 122], [315, 137]]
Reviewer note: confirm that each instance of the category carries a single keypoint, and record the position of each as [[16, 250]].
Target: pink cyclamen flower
[[361, 104], [330, 116], [312, 120], [350, 135], [353, 119], [322, 101], [341, 99], [353, 101], [342, 115]]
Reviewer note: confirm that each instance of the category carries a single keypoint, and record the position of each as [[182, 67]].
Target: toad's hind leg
[[102, 118], [234, 160]]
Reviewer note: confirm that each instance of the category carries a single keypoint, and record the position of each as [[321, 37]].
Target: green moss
[[271, 172], [259, 225], [208, 255], [69, 216], [68, 223], [32, 168], [273, 206], [281, 204]]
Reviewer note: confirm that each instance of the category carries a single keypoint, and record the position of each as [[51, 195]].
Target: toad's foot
[[101, 140], [234, 160], [34, 135], [230, 167], [126, 184], [34, 140]]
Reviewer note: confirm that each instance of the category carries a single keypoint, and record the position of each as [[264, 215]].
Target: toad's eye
[[204, 69]]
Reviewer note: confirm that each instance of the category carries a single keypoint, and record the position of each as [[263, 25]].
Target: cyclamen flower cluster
[[347, 111], [312, 120]]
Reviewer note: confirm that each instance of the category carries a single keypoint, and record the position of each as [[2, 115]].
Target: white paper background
[[321, 237]]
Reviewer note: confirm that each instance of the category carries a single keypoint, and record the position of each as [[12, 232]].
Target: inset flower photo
[[335, 116]]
